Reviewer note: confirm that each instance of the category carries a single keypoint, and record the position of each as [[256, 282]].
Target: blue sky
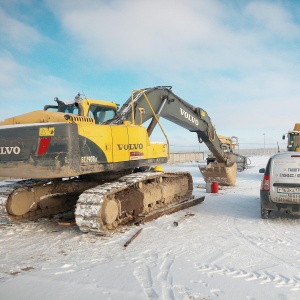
[[238, 60]]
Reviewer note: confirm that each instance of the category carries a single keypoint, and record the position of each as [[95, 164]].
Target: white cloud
[[10, 71], [176, 36], [24, 89], [273, 18], [145, 33], [17, 34]]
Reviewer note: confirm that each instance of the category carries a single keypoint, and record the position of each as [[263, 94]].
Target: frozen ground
[[224, 251]]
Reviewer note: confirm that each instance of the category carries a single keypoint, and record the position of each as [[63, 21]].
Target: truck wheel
[[265, 213]]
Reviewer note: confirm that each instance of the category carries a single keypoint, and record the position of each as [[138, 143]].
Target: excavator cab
[[100, 111], [293, 141]]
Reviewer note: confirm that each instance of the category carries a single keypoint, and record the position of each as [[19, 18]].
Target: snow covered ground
[[224, 251]]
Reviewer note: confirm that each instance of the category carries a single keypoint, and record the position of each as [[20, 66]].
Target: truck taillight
[[43, 145], [265, 184]]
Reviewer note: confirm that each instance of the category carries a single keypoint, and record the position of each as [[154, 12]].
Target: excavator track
[[32, 199], [100, 208], [105, 207], [9, 189]]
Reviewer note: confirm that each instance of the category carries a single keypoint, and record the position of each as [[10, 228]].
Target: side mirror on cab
[[262, 170]]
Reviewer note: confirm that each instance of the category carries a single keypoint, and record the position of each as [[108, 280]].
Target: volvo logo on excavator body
[[130, 146], [10, 150], [189, 117]]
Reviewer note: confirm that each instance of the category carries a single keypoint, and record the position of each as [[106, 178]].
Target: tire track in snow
[[156, 269], [144, 276], [257, 238], [264, 244], [257, 242], [165, 278], [264, 277], [268, 224]]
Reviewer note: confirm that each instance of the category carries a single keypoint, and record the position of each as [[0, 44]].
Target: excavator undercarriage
[[99, 208]]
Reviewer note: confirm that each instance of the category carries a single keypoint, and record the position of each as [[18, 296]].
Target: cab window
[[71, 109], [61, 107], [101, 113]]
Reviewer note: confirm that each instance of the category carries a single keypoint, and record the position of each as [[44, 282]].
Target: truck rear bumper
[[267, 204]]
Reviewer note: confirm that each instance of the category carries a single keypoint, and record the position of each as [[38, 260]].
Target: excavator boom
[[167, 105], [162, 102]]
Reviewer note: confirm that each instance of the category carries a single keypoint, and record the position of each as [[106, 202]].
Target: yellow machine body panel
[[86, 115], [38, 116], [87, 103], [101, 135], [297, 127], [121, 143]]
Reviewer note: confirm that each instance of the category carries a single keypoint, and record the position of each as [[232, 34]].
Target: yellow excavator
[[89, 155], [229, 145], [293, 136]]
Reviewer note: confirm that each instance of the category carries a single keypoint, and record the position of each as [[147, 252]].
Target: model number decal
[[88, 159], [46, 131], [188, 116], [136, 155], [130, 146], [10, 150]]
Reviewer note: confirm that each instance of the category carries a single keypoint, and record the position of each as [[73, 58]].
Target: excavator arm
[[167, 105], [160, 101]]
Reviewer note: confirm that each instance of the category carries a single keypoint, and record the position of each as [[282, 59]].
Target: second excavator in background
[[293, 143], [229, 145], [89, 154]]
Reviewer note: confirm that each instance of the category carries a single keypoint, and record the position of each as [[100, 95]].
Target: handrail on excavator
[[153, 112]]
